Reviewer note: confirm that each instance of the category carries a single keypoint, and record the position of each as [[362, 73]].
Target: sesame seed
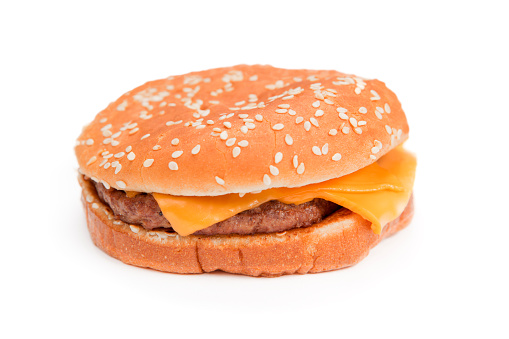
[[175, 142], [319, 96], [196, 115], [105, 184], [372, 156], [156, 148], [108, 126], [89, 198], [325, 149], [375, 95], [92, 160], [253, 78], [357, 90], [380, 109], [121, 184], [103, 120], [336, 157], [236, 151], [169, 123], [375, 150], [281, 110], [299, 120], [301, 168], [318, 113], [378, 144], [345, 130], [131, 156], [216, 129], [388, 129], [283, 106], [128, 149], [248, 120], [259, 117], [358, 130], [210, 122], [353, 121], [114, 143], [278, 157], [230, 142], [361, 123], [307, 125], [266, 180], [107, 133], [341, 110], [316, 150], [176, 154], [227, 124], [316, 104], [243, 115], [287, 97], [173, 166], [200, 126], [243, 143], [195, 150], [387, 108], [278, 127], [363, 110], [148, 162], [295, 161], [90, 142], [273, 170], [219, 180], [118, 168], [378, 115], [314, 122], [240, 103], [250, 125], [291, 112], [289, 140], [95, 206], [223, 135], [241, 195], [244, 129], [333, 132], [145, 136], [329, 101]]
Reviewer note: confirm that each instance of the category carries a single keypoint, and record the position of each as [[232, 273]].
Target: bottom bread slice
[[341, 240]]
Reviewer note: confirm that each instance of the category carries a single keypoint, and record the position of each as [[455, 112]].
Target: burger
[[251, 170]]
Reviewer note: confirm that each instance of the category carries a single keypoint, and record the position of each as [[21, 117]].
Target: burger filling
[[271, 216]]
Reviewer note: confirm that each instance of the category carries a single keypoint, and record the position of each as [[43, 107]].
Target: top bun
[[240, 129]]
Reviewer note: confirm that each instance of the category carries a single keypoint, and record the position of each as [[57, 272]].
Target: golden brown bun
[[341, 240], [334, 128]]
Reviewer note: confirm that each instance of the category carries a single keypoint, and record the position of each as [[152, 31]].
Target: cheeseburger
[[251, 170]]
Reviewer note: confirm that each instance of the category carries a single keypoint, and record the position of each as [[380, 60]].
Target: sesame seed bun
[[240, 129], [341, 240]]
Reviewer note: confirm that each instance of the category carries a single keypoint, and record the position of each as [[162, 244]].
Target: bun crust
[[240, 129], [341, 240]]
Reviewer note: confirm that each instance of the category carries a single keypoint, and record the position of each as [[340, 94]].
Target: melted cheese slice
[[378, 192]]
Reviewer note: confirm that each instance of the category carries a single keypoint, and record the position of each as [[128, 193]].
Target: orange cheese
[[378, 192]]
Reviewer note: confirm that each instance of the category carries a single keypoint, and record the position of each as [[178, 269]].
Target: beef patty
[[272, 216]]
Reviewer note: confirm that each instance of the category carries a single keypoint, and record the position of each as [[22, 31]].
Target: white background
[[444, 276]]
